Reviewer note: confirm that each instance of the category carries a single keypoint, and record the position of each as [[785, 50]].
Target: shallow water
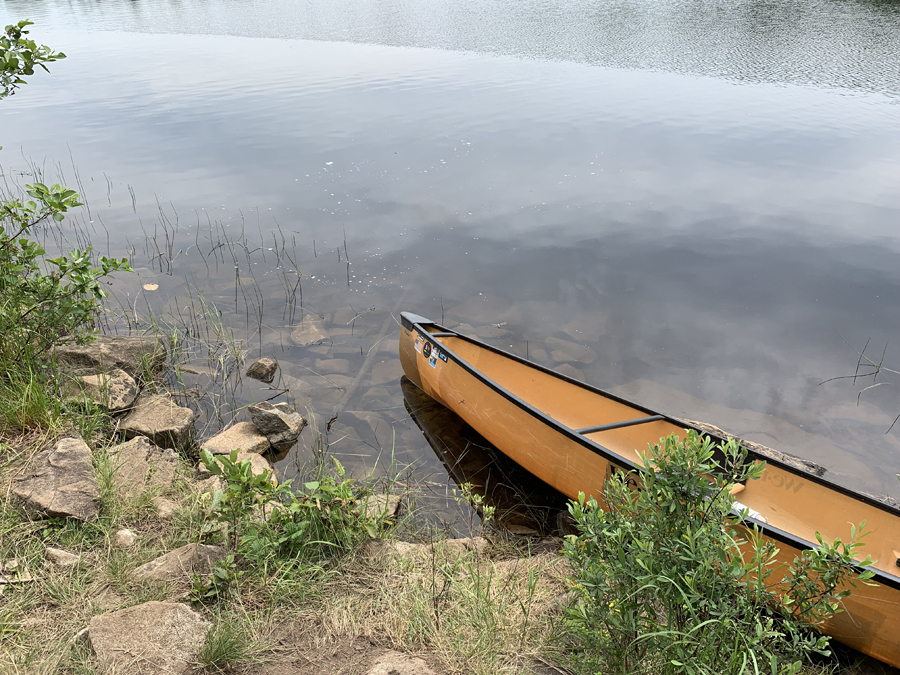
[[705, 196]]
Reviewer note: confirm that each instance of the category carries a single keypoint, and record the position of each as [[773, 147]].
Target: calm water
[[704, 194]]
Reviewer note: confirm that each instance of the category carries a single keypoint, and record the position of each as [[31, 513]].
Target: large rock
[[148, 639], [278, 423], [137, 355], [309, 331], [61, 482], [139, 465], [395, 663], [115, 391], [263, 370], [242, 436], [162, 421], [178, 565]]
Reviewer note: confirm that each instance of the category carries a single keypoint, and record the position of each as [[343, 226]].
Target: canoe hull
[[571, 463]]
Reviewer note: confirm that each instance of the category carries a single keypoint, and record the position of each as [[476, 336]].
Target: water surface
[[705, 195]]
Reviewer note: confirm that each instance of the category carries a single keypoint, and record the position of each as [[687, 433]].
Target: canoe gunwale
[[778, 534]]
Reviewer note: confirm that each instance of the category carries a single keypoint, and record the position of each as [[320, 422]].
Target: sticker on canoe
[[426, 350], [418, 343], [443, 357], [433, 361]]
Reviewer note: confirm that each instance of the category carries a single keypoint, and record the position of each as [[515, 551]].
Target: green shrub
[[269, 522], [44, 299], [19, 55], [667, 582]]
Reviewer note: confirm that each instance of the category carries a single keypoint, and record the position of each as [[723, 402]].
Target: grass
[[235, 639]]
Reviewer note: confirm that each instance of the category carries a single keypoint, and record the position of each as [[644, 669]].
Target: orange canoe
[[572, 435]]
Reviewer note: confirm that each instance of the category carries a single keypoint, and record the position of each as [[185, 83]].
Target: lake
[[703, 194]]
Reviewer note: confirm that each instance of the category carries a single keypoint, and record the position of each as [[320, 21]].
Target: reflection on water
[[847, 44], [691, 204]]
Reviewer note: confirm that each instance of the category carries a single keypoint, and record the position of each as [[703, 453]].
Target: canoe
[[572, 436], [522, 502]]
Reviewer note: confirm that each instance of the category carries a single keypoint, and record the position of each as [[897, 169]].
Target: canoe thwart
[[441, 334], [619, 425]]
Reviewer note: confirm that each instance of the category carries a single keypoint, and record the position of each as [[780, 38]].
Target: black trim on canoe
[[413, 321], [619, 425]]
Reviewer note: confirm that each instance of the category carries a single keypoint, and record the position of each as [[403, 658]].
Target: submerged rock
[[280, 425], [263, 370], [161, 420], [148, 639], [563, 350], [309, 331], [243, 436], [61, 483]]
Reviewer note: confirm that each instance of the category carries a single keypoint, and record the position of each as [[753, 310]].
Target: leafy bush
[[44, 299], [668, 580], [268, 521]]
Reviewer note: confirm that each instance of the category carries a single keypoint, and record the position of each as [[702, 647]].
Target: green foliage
[[274, 522], [222, 579], [669, 581], [44, 299], [19, 56]]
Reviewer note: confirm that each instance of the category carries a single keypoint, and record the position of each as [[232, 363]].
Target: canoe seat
[[619, 425]]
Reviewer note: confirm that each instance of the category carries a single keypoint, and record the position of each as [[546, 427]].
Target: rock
[[460, 547], [563, 350], [165, 508], [569, 370], [178, 565], [243, 436], [60, 558], [135, 355], [61, 482], [309, 331], [587, 326], [115, 391], [158, 418], [149, 639], [373, 430], [338, 366], [209, 485], [124, 538], [139, 465], [263, 370], [395, 663], [538, 355], [382, 506], [278, 423]]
